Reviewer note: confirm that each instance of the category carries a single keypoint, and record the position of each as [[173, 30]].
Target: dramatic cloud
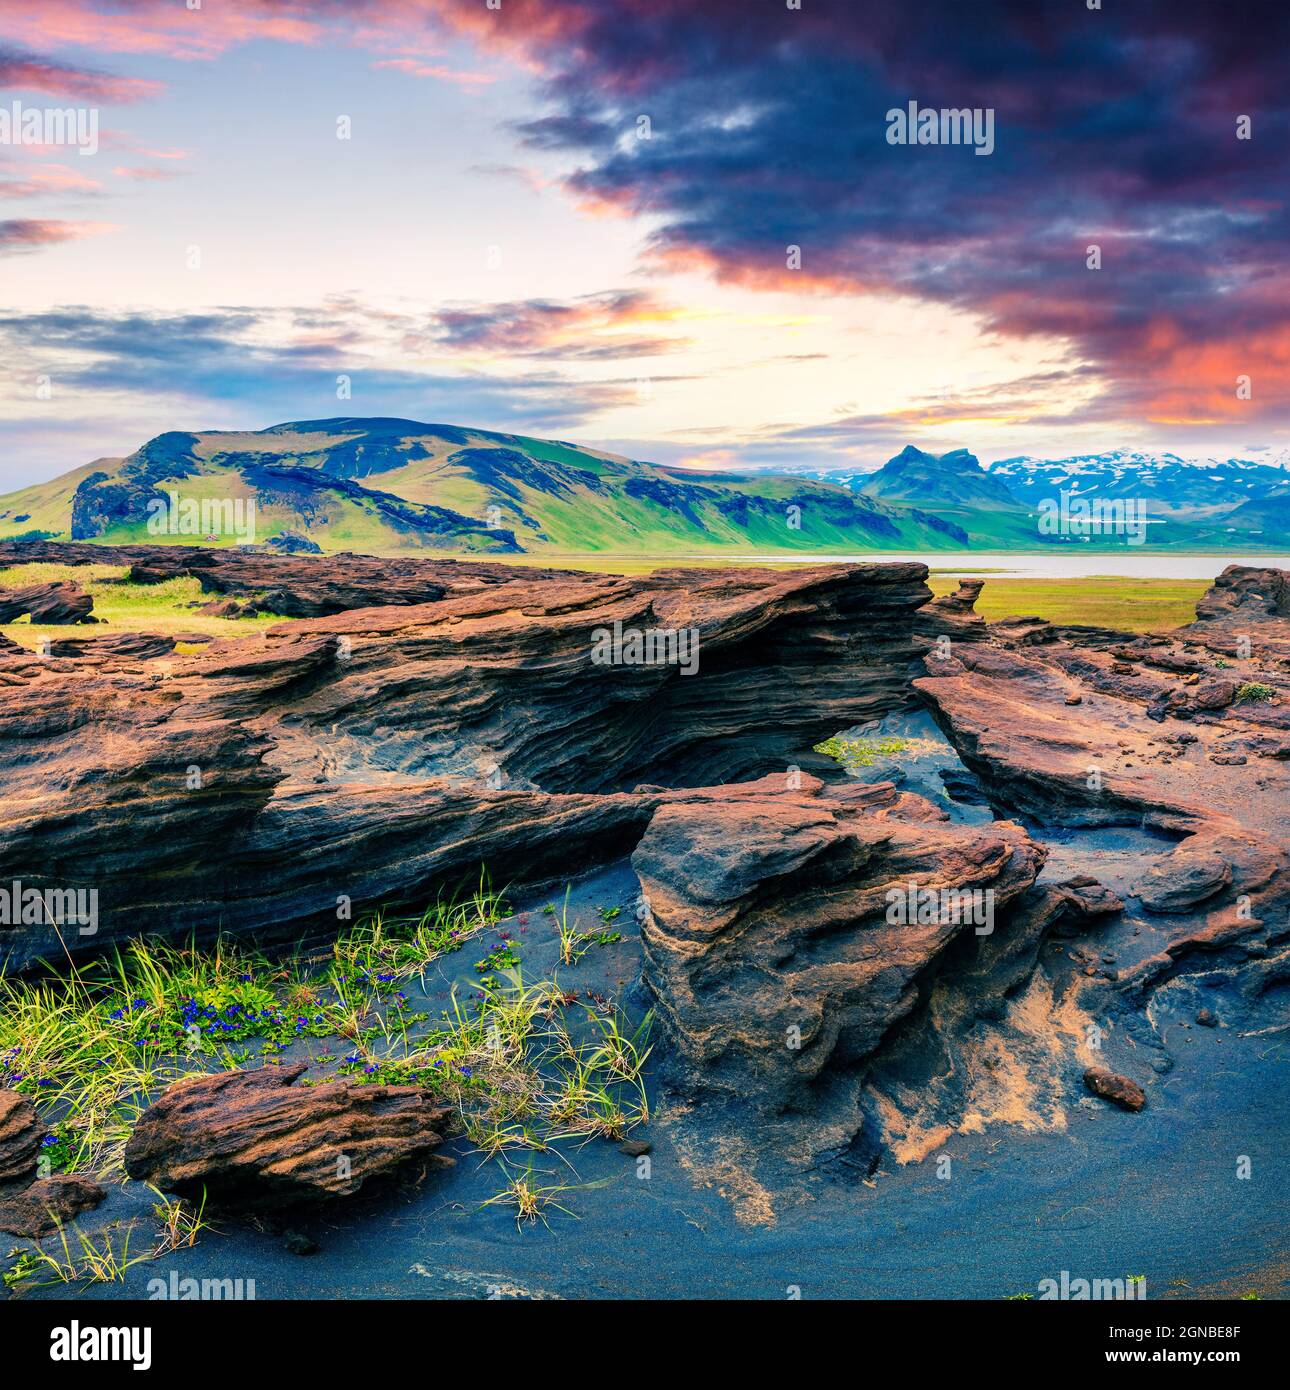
[[733, 131], [1115, 128]]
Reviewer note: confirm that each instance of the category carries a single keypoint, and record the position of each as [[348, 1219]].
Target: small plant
[[856, 753], [530, 1199], [608, 914], [568, 932], [1014, 1297], [95, 1261], [1256, 691], [601, 938], [181, 1223], [25, 1268], [503, 956]]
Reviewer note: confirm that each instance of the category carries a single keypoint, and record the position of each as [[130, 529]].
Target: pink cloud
[[127, 144], [27, 234], [163, 26], [30, 72], [47, 178], [144, 173], [415, 68]]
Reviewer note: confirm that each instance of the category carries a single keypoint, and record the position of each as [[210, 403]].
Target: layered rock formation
[[255, 1135], [20, 1136], [31, 1205], [429, 717], [1186, 734], [55, 604], [375, 754], [788, 929]]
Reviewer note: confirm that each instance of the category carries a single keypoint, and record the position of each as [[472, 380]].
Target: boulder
[[21, 1133], [1180, 880], [39, 1210], [786, 934], [255, 1136], [52, 604]]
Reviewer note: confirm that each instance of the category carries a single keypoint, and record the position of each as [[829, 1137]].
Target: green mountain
[[959, 490], [1194, 506], [381, 485]]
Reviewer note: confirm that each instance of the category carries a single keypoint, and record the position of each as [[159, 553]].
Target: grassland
[[122, 606], [1136, 605]]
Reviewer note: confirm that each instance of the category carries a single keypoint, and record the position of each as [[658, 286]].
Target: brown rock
[[53, 604], [1128, 1095], [40, 1209], [252, 1136], [775, 951], [21, 1133], [383, 751], [1183, 878]]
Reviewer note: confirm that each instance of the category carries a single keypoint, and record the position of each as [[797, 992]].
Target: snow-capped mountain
[[1174, 484], [1189, 502]]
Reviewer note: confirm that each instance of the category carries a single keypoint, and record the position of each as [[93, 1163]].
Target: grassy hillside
[[380, 485]]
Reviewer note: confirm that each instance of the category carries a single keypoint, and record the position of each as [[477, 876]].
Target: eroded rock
[[21, 1133], [251, 1136], [39, 1210], [53, 604], [780, 944], [382, 751]]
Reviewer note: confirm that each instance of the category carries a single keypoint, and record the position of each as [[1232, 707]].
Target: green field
[[1137, 605], [122, 606]]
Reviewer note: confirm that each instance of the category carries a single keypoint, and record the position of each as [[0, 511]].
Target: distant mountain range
[[1201, 504], [382, 485]]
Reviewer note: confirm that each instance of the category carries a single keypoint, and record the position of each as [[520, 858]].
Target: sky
[[577, 219]]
